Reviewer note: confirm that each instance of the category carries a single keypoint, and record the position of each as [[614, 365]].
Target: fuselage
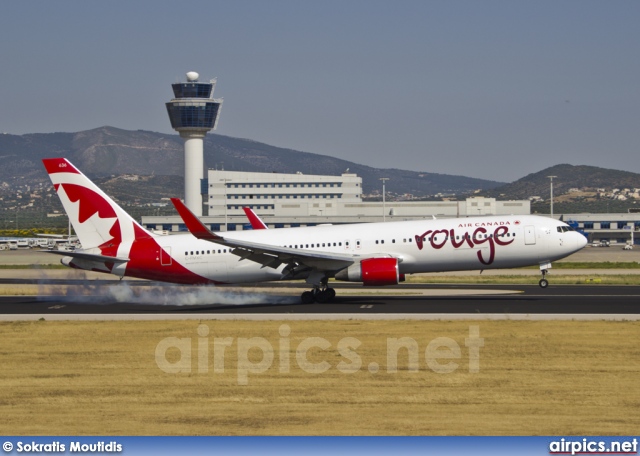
[[476, 243]]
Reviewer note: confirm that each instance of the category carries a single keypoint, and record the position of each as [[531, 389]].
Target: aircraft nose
[[581, 241]]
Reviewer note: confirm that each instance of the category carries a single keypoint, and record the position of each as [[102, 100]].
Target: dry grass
[[101, 378]]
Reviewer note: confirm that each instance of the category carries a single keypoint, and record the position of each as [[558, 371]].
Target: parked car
[[627, 247]]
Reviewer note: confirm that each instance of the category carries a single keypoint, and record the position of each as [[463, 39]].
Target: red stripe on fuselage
[[144, 263]]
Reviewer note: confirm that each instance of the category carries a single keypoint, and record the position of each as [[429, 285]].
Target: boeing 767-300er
[[375, 254]]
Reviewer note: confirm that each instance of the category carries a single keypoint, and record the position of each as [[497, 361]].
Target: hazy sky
[[490, 89]]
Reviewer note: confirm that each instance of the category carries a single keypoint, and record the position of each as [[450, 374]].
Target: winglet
[[194, 225], [255, 221]]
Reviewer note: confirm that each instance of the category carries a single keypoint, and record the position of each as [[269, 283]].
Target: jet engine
[[373, 272]]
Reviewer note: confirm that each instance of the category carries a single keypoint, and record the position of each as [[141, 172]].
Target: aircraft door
[[165, 256], [530, 235]]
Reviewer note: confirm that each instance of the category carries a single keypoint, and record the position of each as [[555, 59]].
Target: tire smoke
[[80, 289]]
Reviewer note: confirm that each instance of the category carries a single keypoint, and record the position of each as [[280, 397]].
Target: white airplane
[[375, 254]]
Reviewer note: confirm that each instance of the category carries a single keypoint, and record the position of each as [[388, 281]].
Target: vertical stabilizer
[[101, 225]]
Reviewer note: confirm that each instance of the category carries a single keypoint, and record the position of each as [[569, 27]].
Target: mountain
[[567, 177], [108, 151]]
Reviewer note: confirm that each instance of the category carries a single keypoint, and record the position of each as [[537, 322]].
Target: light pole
[[224, 182], [551, 183], [384, 208]]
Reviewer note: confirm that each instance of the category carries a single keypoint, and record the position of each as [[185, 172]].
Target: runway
[[144, 300]]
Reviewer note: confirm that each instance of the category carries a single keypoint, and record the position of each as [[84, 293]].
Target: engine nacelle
[[373, 272]]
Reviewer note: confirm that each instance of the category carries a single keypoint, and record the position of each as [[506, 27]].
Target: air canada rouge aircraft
[[375, 254]]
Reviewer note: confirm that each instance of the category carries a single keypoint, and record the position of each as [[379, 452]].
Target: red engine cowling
[[373, 272]]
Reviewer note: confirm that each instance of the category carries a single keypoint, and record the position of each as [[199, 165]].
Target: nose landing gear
[[544, 283]]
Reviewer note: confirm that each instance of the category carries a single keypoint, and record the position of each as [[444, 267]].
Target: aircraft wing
[[266, 254]]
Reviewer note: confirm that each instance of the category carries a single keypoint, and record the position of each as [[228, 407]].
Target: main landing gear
[[318, 294], [544, 283]]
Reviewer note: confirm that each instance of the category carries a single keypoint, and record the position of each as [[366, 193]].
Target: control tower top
[[194, 109]]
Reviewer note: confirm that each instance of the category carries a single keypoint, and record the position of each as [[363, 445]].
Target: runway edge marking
[[293, 317]]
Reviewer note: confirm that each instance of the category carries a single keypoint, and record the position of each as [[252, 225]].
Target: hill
[[567, 177], [108, 151]]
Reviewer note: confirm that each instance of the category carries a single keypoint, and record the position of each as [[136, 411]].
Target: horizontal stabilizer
[[89, 256]]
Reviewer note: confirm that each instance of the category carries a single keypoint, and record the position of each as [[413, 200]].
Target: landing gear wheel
[[307, 297], [323, 296], [318, 295]]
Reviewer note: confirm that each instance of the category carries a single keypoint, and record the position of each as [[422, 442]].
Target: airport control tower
[[193, 112]]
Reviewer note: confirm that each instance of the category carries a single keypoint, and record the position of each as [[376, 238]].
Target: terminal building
[[290, 200]]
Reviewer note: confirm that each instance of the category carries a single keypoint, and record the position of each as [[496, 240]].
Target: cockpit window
[[564, 229]]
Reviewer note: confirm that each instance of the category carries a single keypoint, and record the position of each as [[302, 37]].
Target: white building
[[269, 194]]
